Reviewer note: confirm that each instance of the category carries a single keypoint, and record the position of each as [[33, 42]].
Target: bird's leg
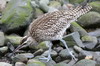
[[73, 57], [48, 58]]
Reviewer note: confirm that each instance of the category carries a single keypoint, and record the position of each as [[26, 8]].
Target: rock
[[44, 5], [76, 1], [55, 4], [52, 9], [73, 39], [3, 49], [34, 62], [58, 49], [38, 52], [20, 64], [98, 61], [42, 45], [64, 53], [53, 53], [14, 39], [95, 6], [85, 62], [44, 61], [75, 27], [50, 63], [90, 19], [89, 41], [2, 38], [58, 59], [67, 6], [18, 13], [83, 53], [20, 58], [38, 12], [34, 4], [61, 64], [95, 33], [5, 64], [27, 55], [2, 5]]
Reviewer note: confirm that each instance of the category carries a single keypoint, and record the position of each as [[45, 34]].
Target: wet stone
[[64, 53], [2, 38], [85, 62], [20, 64], [20, 58], [53, 53], [61, 64], [14, 39], [89, 41], [73, 39], [5, 64], [82, 53], [95, 33], [34, 62], [90, 19], [50, 63], [3, 49]]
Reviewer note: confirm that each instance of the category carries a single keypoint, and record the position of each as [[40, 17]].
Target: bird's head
[[27, 40]]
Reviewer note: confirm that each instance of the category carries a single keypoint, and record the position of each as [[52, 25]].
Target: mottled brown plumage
[[51, 26]]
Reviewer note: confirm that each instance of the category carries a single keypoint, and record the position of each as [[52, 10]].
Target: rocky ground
[[83, 36]]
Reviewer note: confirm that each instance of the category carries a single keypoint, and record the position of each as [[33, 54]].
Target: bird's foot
[[47, 59], [73, 57]]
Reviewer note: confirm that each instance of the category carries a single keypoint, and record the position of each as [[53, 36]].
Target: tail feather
[[83, 10]]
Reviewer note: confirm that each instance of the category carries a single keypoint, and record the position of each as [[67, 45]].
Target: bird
[[51, 26]]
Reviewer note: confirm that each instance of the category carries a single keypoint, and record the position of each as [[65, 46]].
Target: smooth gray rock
[[50, 63], [27, 55], [18, 13], [85, 62], [90, 19], [38, 12], [44, 5], [82, 53], [5, 64], [75, 27], [58, 59], [20, 64], [53, 53], [58, 49], [55, 4], [38, 52], [64, 53], [73, 39], [34, 62], [89, 41], [2, 38], [3, 49], [14, 39], [61, 64], [98, 61], [95, 33], [95, 6], [76, 1], [20, 58]]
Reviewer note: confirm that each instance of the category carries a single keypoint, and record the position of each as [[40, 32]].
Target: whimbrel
[[51, 26]]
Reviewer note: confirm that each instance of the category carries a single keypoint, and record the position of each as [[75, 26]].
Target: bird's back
[[51, 26]]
